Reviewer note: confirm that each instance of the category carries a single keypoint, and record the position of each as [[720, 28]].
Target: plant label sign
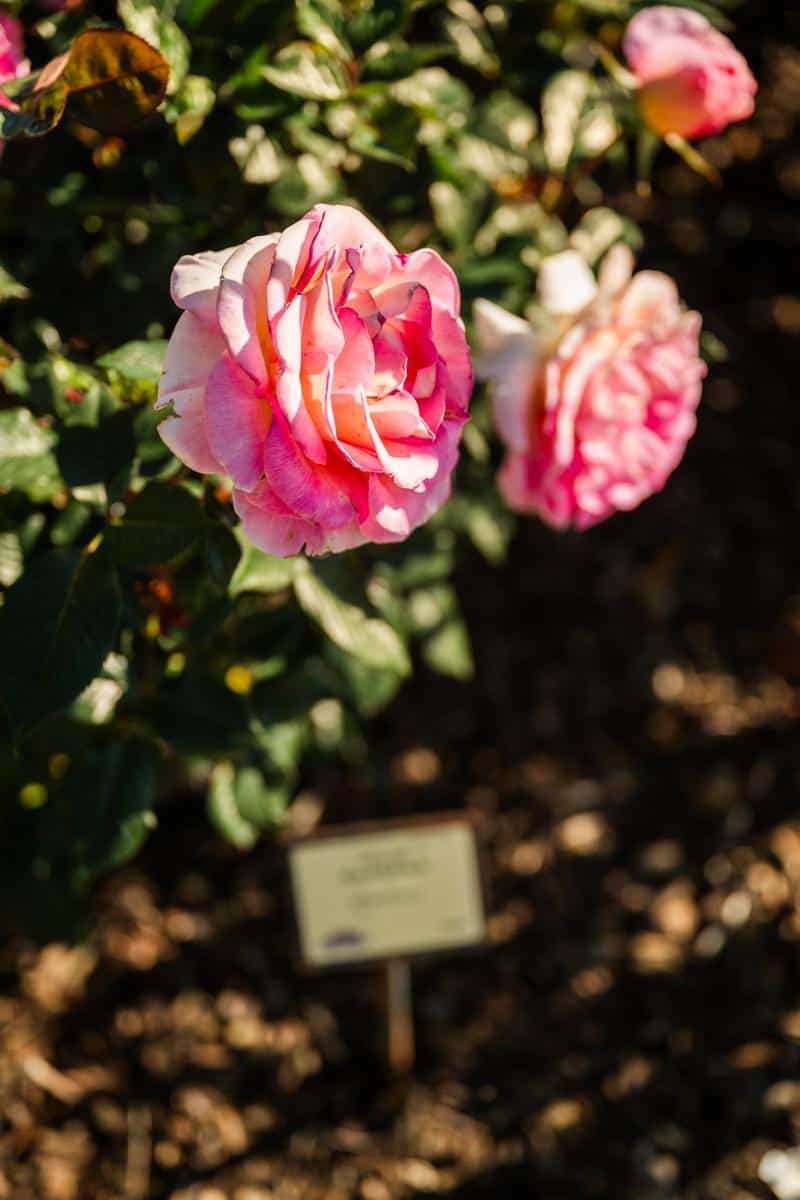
[[382, 893]]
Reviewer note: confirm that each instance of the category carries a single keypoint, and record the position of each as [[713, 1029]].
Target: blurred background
[[627, 745]]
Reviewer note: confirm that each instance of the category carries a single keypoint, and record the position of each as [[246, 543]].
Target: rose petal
[[237, 419], [566, 284], [429, 268], [195, 283], [242, 305], [192, 353], [308, 491]]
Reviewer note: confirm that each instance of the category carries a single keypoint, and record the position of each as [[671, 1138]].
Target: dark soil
[[630, 751]]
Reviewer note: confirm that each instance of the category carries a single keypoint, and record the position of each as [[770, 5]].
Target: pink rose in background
[[692, 79], [597, 413], [326, 374], [13, 64], [12, 60]]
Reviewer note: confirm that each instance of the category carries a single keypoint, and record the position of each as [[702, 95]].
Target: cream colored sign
[[386, 894]]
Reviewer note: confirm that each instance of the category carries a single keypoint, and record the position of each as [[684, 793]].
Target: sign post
[[400, 1041], [387, 892]]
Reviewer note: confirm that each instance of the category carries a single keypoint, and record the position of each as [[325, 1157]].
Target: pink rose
[[595, 413], [692, 79], [326, 374], [13, 63]]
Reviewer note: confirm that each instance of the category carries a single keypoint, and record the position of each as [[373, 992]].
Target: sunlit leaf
[[138, 361], [369, 639], [576, 120], [306, 71], [114, 78], [26, 459], [159, 30], [260, 572]]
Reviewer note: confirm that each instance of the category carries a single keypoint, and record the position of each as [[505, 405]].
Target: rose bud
[[692, 80]]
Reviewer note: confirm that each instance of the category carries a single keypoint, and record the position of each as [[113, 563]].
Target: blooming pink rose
[[326, 374], [692, 79], [596, 413]]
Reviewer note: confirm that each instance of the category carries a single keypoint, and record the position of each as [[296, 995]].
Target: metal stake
[[400, 1017]]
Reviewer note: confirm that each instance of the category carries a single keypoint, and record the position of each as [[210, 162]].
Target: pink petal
[[242, 305], [291, 256], [428, 268], [515, 377], [287, 335], [345, 228], [355, 365], [650, 300], [192, 353], [451, 343], [309, 491], [397, 416], [195, 283], [390, 362], [237, 419], [658, 39], [273, 531], [409, 463], [395, 512]]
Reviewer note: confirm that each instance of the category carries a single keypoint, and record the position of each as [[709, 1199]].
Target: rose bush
[[358, 157], [326, 374], [597, 408]]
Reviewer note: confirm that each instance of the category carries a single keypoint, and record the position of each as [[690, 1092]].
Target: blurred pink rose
[[595, 412], [692, 79], [12, 63], [326, 374]]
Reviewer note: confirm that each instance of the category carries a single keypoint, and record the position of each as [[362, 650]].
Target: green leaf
[[379, 21], [35, 114], [323, 21], [137, 361], [159, 30], [223, 809], [112, 799], [97, 703], [11, 560], [576, 120], [261, 803], [58, 623], [222, 554], [597, 232], [26, 459], [197, 714], [163, 525], [260, 572], [90, 454], [369, 689], [447, 650], [115, 79], [307, 71], [433, 93], [190, 106], [466, 28], [368, 639], [10, 289]]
